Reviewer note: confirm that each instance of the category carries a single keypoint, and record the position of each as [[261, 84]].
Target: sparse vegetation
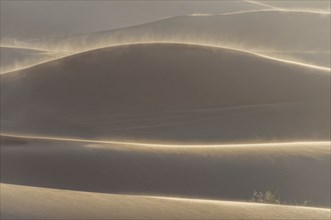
[[267, 197], [270, 197]]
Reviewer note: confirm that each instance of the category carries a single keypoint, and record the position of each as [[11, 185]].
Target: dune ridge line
[[268, 144], [326, 69]]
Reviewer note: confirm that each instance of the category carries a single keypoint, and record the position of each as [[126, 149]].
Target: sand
[[300, 35], [126, 131], [23, 202], [223, 172], [136, 92]]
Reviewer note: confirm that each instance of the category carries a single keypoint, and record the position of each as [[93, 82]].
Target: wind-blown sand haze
[[302, 36], [199, 116]]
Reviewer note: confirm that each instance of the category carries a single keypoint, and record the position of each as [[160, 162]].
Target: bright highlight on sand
[[294, 144], [261, 4]]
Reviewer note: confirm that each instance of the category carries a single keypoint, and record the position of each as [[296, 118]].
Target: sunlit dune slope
[[297, 33], [23, 202], [12, 58], [168, 92], [296, 171]]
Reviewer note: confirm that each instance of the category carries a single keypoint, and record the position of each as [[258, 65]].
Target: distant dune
[[41, 203], [296, 171], [170, 92], [317, 5]]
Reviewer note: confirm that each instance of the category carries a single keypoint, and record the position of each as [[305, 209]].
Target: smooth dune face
[[168, 92], [43, 203], [223, 172]]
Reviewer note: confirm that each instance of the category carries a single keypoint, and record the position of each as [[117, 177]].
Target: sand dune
[[301, 36], [220, 172], [137, 92], [295, 30], [181, 118], [23, 202]]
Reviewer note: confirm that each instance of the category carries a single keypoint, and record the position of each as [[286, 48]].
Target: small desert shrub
[[267, 197], [271, 197], [304, 203]]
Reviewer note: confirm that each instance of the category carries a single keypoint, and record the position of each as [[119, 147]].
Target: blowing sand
[[13, 58], [297, 32]]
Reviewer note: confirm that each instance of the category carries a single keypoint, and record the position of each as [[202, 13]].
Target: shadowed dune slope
[[298, 172], [169, 92], [23, 202]]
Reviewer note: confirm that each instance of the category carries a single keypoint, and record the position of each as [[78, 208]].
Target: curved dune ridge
[[16, 65], [42, 203], [295, 30], [137, 92], [172, 145]]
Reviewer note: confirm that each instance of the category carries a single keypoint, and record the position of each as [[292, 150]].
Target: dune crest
[[164, 145], [272, 55]]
